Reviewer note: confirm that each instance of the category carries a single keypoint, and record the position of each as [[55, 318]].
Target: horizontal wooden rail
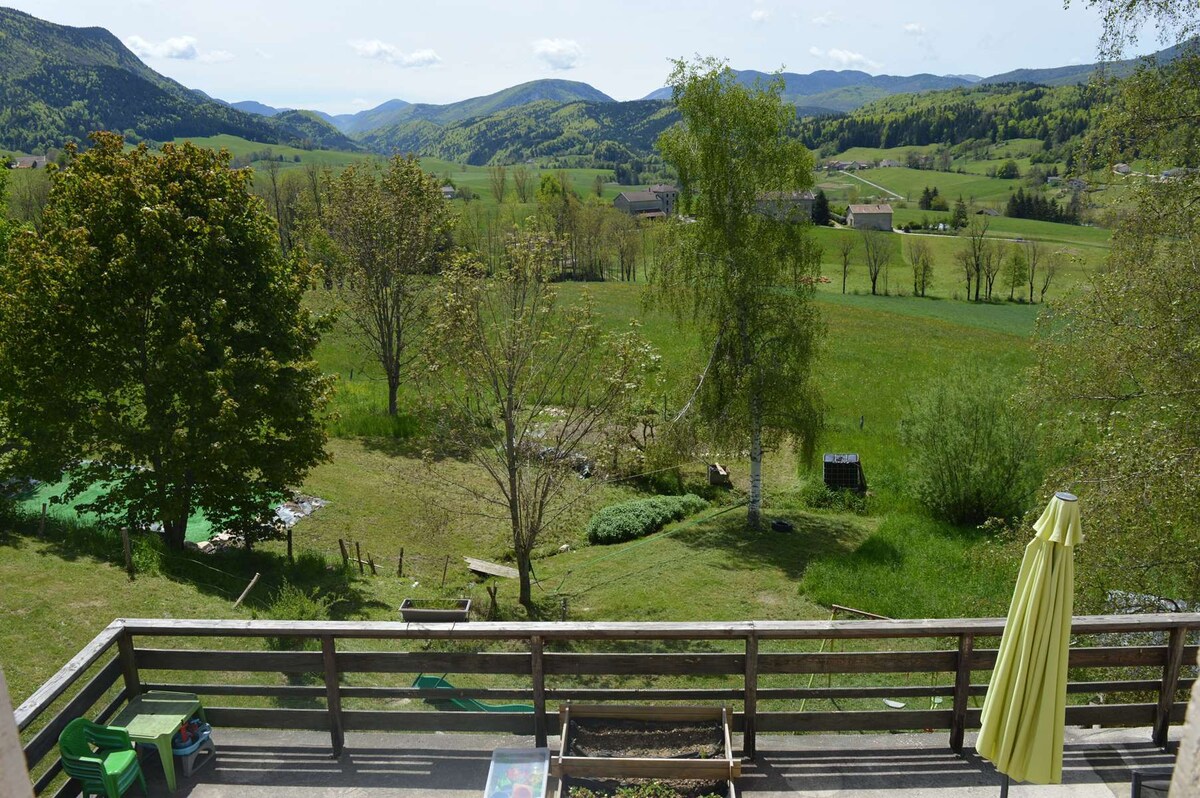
[[745, 670]]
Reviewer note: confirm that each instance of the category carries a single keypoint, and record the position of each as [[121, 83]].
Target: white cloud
[[382, 51], [760, 15], [844, 58], [914, 29], [824, 20], [182, 48], [558, 53]]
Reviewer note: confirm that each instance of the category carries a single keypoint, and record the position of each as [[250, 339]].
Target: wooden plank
[[14, 778], [659, 664], [667, 713], [538, 673], [1092, 657], [258, 690], [55, 768], [635, 694], [657, 630], [874, 720], [42, 697], [485, 568], [750, 700], [209, 660], [511, 722], [128, 660], [333, 698], [46, 738], [962, 691], [263, 718], [645, 768], [858, 662], [1176, 646], [818, 693], [432, 662]]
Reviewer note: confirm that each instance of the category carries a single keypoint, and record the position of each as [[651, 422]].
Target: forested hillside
[[58, 84]]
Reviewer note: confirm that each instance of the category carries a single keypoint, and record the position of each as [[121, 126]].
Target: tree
[[391, 230], [522, 183], [1054, 262], [627, 243], [1017, 270], [1008, 170], [820, 209], [526, 386], [920, 257], [958, 220], [978, 252], [877, 253], [846, 250], [153, 343], [498, 181], [991, 264], [966, 263], [1033, 259], [598, 185], [745, 279]]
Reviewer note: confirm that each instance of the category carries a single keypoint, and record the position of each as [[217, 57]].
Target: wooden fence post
[[333, 695], [345, 554], [400, 566], [371, 562], [289, 541], [1170, 681], [358, 556], [962, 691], [127, 548], [129, 668], [750, 698], [246, 592], [537, 668], [445, 567], [42, 522]]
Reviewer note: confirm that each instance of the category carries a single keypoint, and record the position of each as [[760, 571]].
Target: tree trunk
[[754, 508], [175, 533], [526, 597], [393, 389]]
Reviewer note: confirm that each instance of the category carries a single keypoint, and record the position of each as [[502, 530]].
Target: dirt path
[[887, 191]]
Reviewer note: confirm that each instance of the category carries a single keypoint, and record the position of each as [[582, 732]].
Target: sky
[[346, 56]]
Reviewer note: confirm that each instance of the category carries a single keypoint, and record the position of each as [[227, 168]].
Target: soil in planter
[[607, 737], [643, 788]]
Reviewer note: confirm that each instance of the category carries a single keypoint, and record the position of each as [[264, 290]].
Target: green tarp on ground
[[199, 528]]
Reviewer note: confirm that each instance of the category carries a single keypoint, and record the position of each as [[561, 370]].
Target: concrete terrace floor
[[1098, 763]]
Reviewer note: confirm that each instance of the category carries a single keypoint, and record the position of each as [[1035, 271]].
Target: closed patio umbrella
[[1025, 707]]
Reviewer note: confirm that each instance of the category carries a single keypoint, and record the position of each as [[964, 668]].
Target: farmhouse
[[869, 217], [788, 205], [1122, 169], [448, 192], [655, 203], [30, 162]]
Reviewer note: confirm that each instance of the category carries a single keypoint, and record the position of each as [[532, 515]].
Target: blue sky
[[353, 54]]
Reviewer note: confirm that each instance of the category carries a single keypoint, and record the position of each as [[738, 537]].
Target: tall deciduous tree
[[526, 386], [391, 229], [878, 249], [846, 250], [522, 183], [153, 342], [920, 257], [744, 278], [498, 181]]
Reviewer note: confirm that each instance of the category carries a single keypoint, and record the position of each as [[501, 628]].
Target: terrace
[[335, 729]]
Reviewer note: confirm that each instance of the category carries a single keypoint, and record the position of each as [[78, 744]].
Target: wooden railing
[[539, 666]]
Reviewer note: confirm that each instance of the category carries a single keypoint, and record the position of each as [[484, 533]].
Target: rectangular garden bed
[[613, 743], [435, 610], [602, 788]]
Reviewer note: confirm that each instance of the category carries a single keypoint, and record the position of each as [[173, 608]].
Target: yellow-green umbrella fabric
[[1025, 707]]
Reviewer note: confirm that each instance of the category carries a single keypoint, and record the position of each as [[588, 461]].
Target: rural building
[[1122, 169], [870, 217], [654, 203], [788, 205], [889, 162], [669, 196], [30, 162], [448, 192]]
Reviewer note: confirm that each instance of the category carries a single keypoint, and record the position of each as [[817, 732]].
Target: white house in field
[[869, 217]]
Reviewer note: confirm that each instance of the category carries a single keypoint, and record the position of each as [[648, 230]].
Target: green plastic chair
[[102, 757]]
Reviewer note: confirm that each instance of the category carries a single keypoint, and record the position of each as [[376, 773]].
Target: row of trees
[[1035, 205]]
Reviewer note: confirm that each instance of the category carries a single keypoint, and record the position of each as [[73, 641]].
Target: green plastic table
[[154, 717]]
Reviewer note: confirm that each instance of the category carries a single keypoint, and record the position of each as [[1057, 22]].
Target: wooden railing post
[[129, 668], [333, 694], [962, 691], [750, 698], [1170, 682], [537, 668]]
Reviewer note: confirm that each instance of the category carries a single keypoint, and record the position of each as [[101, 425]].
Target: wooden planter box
[[719, 768], [435, 610], [565, 784]]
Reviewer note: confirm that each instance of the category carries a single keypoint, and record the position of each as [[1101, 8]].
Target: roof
[[652, 214], [30, 160], [664, 189], [861, 209], [639, 196], [786, 195]]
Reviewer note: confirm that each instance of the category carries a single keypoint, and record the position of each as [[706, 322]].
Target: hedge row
[[640, 517]]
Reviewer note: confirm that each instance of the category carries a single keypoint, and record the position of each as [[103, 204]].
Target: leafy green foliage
[[817, 495], [292, 602], [153, 340], [653, 789], [971, 448], [640, 517]]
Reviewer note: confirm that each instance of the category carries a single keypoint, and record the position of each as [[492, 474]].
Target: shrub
[[971, 448], [816, 495], [147, 551], [640, 517], [294, 603]]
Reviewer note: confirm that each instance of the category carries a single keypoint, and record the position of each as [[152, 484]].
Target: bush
[[294, 603], [816, 495], [147, 551], [971, 448], [640, 517]]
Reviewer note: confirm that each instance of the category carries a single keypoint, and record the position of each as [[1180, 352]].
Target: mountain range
[[57, 83]]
